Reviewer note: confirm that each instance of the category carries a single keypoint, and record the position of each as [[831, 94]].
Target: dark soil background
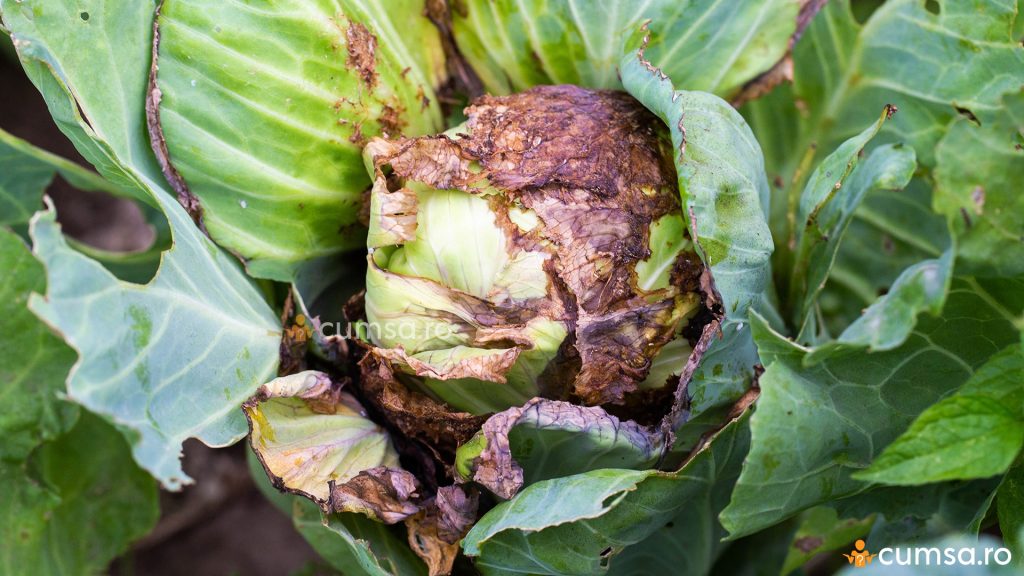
[[221, 525]]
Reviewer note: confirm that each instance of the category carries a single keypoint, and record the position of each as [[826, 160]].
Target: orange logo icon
[[859, 557], [299, 332]]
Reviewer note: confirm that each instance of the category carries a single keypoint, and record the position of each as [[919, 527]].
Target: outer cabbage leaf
[[264, 110], [842, 411], [26, 171], [890, 232], [598, 514], [76, 505], [725, 198], [546, 438], [975, 433], [36, 362], [141, 364], [350, 543], [977, 184], [933, 67], [710, 45], [826, 207], [692, 542]]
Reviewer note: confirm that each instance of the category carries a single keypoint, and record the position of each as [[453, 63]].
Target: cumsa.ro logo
[[859, 557]]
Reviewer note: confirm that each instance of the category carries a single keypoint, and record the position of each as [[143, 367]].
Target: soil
[[221, 524]]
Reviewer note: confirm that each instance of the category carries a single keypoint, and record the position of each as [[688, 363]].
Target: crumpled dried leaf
[[434, 524], [416, 415], [573, 179], [308, 433], [385, 494], [435, 532], [492, 461], [458, 362]]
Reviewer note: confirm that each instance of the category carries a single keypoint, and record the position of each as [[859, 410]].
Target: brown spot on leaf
[[808, 544], [362, 52], [157, 142], [978, 197], [391, 120]]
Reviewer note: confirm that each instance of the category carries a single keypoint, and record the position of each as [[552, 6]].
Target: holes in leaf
[[933, 7], [84, 16], [966, 113], [393, 182], [863, 10]]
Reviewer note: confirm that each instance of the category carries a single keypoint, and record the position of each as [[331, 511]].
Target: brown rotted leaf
[[384, 494], [434, 532], [416, 415], [491, 367], [595, 167]]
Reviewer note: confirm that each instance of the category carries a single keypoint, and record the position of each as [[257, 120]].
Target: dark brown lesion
[[414, 414], [596, 168], [362, 52]]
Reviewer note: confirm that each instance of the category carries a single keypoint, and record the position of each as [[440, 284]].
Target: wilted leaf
[[76, 505], [435, 532], [415, 414], [384, 494], [546, 439], [141, 363], [265, 110], [839, 414], [309, 432], [704, 45], [349, 542], [35, 361]]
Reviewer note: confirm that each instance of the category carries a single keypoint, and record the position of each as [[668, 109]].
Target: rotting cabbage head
[[537, 250]]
